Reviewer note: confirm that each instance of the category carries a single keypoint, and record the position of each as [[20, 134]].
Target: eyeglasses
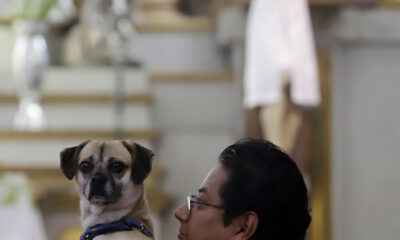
[[194, 199]]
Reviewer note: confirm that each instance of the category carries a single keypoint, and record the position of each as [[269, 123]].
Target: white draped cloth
[[280, 42]]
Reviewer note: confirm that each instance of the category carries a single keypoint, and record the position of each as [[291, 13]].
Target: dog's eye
[[85, 167], [117, 167]]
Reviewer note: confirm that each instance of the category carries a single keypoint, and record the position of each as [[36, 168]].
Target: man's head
[[257, 192]]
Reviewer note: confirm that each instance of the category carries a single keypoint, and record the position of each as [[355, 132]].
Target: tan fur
[[132, 201]]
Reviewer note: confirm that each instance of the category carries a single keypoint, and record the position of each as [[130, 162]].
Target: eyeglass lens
[[189, 204]]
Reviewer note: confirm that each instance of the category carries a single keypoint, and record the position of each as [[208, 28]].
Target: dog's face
[[103, 169]]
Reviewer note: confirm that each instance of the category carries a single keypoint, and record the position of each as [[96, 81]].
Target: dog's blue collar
[[125, 224]]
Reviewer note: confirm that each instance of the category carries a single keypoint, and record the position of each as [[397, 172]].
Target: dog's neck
[[141, 212], [135, 206]]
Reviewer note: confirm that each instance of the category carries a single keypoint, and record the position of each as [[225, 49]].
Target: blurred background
[[187, 78]]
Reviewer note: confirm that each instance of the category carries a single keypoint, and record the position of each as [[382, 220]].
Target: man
[[255, 192]]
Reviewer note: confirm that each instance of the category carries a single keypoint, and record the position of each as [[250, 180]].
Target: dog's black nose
[[99, 178]]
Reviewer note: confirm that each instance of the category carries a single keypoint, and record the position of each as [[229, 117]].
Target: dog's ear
[[142, 161], [69, 160]]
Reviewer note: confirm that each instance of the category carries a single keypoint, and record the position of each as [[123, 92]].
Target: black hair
[[264, 179]]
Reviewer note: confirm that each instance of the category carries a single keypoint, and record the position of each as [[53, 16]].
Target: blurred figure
[[108, 31], [280, 76]]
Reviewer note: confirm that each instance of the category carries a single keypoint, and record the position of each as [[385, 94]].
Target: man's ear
[[142, 159], [69, 160], [245, 225]]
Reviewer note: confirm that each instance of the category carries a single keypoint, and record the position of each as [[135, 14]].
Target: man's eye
[[86, 167], [117, 167], [199, 200]]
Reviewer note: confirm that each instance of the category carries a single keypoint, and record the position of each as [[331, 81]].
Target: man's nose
[[182, 213]]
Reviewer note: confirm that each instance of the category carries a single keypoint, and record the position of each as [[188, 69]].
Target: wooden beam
[[173, 21], [81, 99], [6, 134], [389, 3], [328, 3], [320, 123], [191, 77], [151, 5]]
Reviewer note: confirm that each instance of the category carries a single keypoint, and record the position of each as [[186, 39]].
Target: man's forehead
[[214, 179]]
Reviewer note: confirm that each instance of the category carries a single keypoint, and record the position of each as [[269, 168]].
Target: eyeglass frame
[[190, 201]]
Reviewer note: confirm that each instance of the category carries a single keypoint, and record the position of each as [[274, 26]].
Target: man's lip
[[181, 236]]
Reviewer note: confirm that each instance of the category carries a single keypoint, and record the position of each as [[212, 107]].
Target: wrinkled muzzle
[[101, 189]]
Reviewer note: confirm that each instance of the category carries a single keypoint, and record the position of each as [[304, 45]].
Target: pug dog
[[109, 179]]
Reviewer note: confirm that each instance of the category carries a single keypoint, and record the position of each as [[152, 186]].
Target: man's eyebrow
[[202, 190]]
